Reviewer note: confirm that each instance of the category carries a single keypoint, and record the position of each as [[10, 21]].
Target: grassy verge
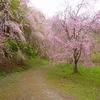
[[83, 86], [29, 63]]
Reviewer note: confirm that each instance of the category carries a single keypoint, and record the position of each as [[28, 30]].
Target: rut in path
[[29, 85]]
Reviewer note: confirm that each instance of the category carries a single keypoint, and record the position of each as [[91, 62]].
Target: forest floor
[[30, 85]]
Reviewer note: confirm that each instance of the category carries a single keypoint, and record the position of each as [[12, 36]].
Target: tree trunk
[[77, 54], [75, 68]]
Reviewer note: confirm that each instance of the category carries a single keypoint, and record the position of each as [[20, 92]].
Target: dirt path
[[29, 85]]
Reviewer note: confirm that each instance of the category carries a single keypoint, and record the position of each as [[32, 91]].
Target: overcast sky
[[50, 7]]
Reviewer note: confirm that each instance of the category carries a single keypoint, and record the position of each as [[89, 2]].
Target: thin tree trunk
[[75, 67], [77, 54]]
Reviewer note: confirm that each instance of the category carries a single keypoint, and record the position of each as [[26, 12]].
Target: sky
[[50, 7]]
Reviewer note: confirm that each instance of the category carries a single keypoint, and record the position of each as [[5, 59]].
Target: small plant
[[10, 48], [14, 4], [26, 49]]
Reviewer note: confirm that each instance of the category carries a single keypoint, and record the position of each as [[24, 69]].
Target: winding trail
[[29, 85]]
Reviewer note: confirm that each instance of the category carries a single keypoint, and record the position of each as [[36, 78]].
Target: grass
[[29, 63], [83, 86]]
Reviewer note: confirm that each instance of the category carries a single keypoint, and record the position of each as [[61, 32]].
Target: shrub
[[10, 48], [26, 49]]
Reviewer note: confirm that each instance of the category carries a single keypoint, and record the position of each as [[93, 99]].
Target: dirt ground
[[29, 85]]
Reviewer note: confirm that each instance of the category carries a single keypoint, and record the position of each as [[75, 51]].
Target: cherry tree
[[75, 25]]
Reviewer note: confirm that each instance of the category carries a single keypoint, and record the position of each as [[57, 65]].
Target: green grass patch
[[83, 86]]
